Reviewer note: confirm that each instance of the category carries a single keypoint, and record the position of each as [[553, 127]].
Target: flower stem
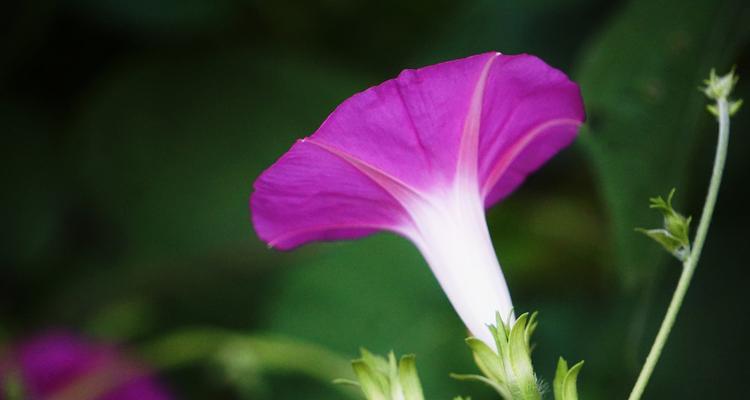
[[688, 266]]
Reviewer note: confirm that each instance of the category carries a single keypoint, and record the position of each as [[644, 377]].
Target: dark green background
[[132, 132]]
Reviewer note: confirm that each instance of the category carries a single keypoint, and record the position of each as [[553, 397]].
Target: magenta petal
[[377, 151], [423, 155], [318, 193], [530, 111], [52, 361], [61, 365], [383, 149], [411, 126]]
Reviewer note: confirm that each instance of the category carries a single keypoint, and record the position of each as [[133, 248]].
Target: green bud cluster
[[674, 236], [509, 370], [385, 379], [720, 87]]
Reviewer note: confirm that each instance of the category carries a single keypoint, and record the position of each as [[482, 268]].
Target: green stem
[[688, 266]]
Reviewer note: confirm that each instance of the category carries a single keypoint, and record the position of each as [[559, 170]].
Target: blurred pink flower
[[61, 366], [423, 155]]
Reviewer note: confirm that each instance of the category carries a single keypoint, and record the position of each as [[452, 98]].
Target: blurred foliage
[[243, 360], [655, 113], [379, 289], [132, 133], [163, 138]]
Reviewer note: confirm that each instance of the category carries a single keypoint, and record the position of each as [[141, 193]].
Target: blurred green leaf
[[167, 146], [544, 235], [378, 293], [243, 359], [165, 149], [517, 26], [134, 301], [639, 80], [122, 320], [11, 386], [30, 209], [171, 17]]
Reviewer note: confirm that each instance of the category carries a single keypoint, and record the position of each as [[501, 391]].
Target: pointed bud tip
[[720, 87], [674, 235]]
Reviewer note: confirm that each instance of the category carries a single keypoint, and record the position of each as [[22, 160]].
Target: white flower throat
[[451, 232]]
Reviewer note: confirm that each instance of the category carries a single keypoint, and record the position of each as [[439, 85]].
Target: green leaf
[[168, 149], [638, 80]]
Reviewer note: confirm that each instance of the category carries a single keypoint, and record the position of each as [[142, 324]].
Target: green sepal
[[509, 370], [487, 360], [530, 329], [407, 375], [734, 106], [500, 389], [668, 241], [520, 360], [713, 110], [346, 382], [376, 362], [720, 87], [557, 384], [674, 236], [386, 379], [565, 383], [372, 383]]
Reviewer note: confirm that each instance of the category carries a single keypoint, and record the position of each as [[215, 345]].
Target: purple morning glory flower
[[62, 366], [423, 155]]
